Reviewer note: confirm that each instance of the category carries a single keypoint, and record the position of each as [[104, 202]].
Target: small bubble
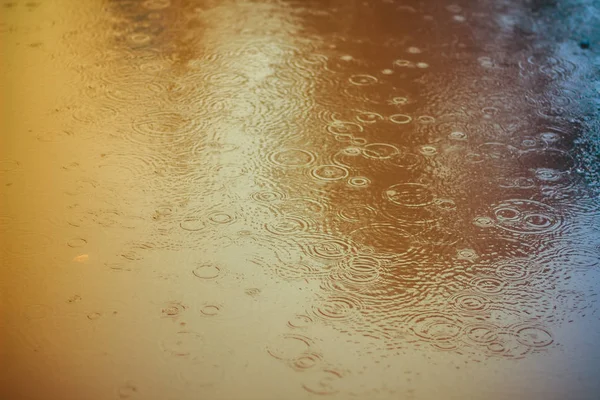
[[470, 302], [324, 247], [409, 194], [488, 285], [306, 361], [380, 151], [527, 216], [482, 333], [486, 62], [550, 137], [398, 101], [94, 316], [268, 196], [352, 151], [528, 142], [507, 213], [210, 310], [402, 63], [173, 309], [369, 117], [74, 299], [192, 224], [426, 119], [139, 39], [206, 271], [359, 181], [457, 135], [422, 65], [344, 128], [221, 218], [292, 157], [414, 50], [329, 172], [400, 119], [289, 225], [534, 336], [428, 150], [445, 204], [467, 254], [435, 327], [512, 271], [362, 79], [387, 71], [254, 292], [337, 308], [490, 111], [548, 175], [358, 141]]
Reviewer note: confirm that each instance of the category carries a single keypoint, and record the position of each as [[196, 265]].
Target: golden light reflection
[[245, 199]]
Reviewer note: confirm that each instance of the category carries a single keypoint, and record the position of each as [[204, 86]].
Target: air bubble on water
[[428, 150], [400, 119], [210, 310], [94, 316], [402, 63], [457, 135], [483, 222], [426, 119], [206, 271], [398, 101], [467, 254]]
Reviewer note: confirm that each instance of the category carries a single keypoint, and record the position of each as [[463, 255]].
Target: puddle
[[268, 200]]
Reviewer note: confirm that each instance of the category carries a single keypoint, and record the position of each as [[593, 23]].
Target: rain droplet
[[206, 271], [400, 119], [457, 135], [292, 158], [329, 172], [409, 194], [362, 80]]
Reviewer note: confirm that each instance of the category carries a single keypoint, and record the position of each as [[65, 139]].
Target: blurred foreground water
[[294, 199]]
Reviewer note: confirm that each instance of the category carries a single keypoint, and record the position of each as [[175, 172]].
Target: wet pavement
[[299, 199]]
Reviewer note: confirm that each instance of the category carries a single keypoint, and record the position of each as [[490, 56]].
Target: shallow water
[[297, 199]]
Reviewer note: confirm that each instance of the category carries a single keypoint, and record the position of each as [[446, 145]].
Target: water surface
[[298, 199]]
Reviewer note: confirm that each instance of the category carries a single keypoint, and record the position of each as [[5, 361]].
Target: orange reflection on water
[[267, 200]]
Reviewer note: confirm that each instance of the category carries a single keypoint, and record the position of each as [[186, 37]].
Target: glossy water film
[[290, 199]]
